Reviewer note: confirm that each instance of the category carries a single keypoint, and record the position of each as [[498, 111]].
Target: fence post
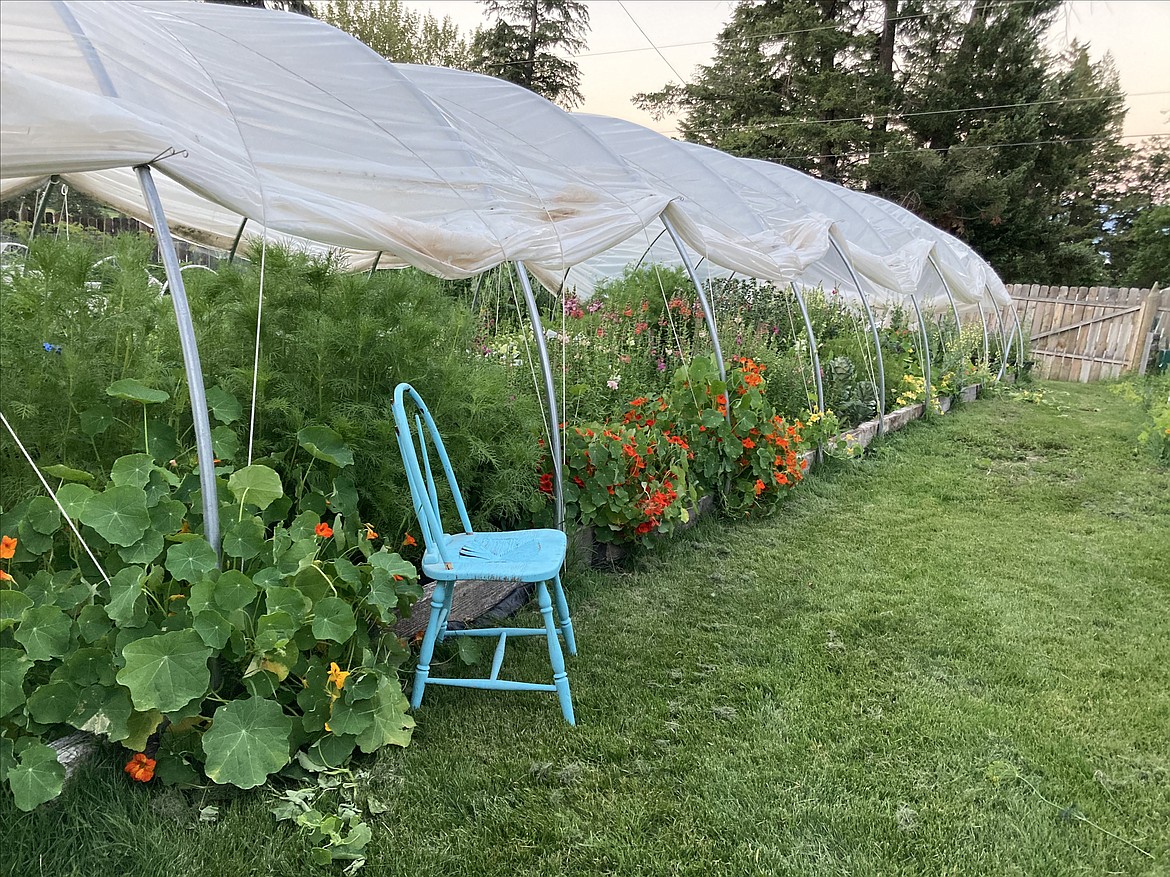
[[1139, 349]]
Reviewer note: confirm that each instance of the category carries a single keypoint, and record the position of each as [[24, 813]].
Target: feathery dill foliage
[[333, 346], [79, 314]]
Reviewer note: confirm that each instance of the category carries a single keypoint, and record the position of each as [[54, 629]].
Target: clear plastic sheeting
[[288, 122], [294, 131]]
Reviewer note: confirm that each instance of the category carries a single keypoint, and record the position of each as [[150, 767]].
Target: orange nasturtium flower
[[140, 767], [371, 534], [5, 577], [7, 547], [323, 530], [760, 486], [409, 540]]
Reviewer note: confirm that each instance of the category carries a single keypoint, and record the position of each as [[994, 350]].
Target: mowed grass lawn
[[952, 657]]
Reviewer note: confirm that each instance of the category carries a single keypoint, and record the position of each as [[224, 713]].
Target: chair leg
[[563, 612], [445, 612], [560, 677], [438, 601]]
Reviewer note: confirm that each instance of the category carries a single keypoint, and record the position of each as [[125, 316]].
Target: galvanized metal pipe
[[550, 393], [812, 346], [708, 314], [986, 347], [194, 371], [873, 329], [947, 290], [925, 352]]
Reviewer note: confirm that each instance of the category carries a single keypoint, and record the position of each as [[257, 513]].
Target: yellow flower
[[337, 676]]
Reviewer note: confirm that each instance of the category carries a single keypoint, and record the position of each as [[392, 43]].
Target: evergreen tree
[[301, 7], [401, 34], [521, 44], [954, 108], [792, 81]]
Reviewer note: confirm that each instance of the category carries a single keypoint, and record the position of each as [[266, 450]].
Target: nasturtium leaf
[[85, 667], [325, 444], [30, 539], [190, 561], [234, 590], [118, 514], [37, 777], [42, 515], [139, 727], [393, 564], [213, 629], [329, 753], [103, 710], [166, 672], [382, 595], [202, 597], [262, 683], [7, 757], [145, 550], [363, 685], [136, 391], [161, 439], [351, 718], [54, 702], [12, 604], [333, 620], [247, 742], [97, 419], [345, 496], [73, 498], [66, 473], [127, 603], [313, 582], [167, 515], [93, 623], [256, 484], [223, 405], [225, 444], [273, 631], [288, 600], [314, 699], [347, 572], [244, 538], [13, 667], [132, 469], [44, 632], [314, 503], [390, 722]]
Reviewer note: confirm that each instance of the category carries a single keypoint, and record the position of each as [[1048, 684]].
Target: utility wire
[[629, 15], [889, 112], [965, 147]]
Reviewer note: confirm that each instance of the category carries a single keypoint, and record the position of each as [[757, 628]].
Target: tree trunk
[[829, 160], [530, 58]]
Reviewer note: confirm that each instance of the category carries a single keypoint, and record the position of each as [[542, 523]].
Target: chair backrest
[[412, 445]]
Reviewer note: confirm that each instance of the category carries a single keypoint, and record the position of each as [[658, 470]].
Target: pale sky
[[620, 61]]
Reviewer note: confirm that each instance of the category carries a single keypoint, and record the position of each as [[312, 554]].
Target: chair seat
[[518, 555]]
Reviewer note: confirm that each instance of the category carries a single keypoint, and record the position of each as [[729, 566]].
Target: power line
[[651, 42], [769, 36], [965, 147], [892, 113]]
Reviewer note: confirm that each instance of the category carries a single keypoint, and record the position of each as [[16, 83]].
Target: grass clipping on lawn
[[949, 658]]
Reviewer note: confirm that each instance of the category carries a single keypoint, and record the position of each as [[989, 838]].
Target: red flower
[[645, 527], [760, 486], [410, 540], [323, 530], [577, 480], [748, 443], [546, 483], [140, 767]]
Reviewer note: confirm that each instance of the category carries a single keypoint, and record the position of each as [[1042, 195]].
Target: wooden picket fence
[[1086, 333]]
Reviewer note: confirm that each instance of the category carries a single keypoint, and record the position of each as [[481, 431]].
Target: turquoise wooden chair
[[534, 556]]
